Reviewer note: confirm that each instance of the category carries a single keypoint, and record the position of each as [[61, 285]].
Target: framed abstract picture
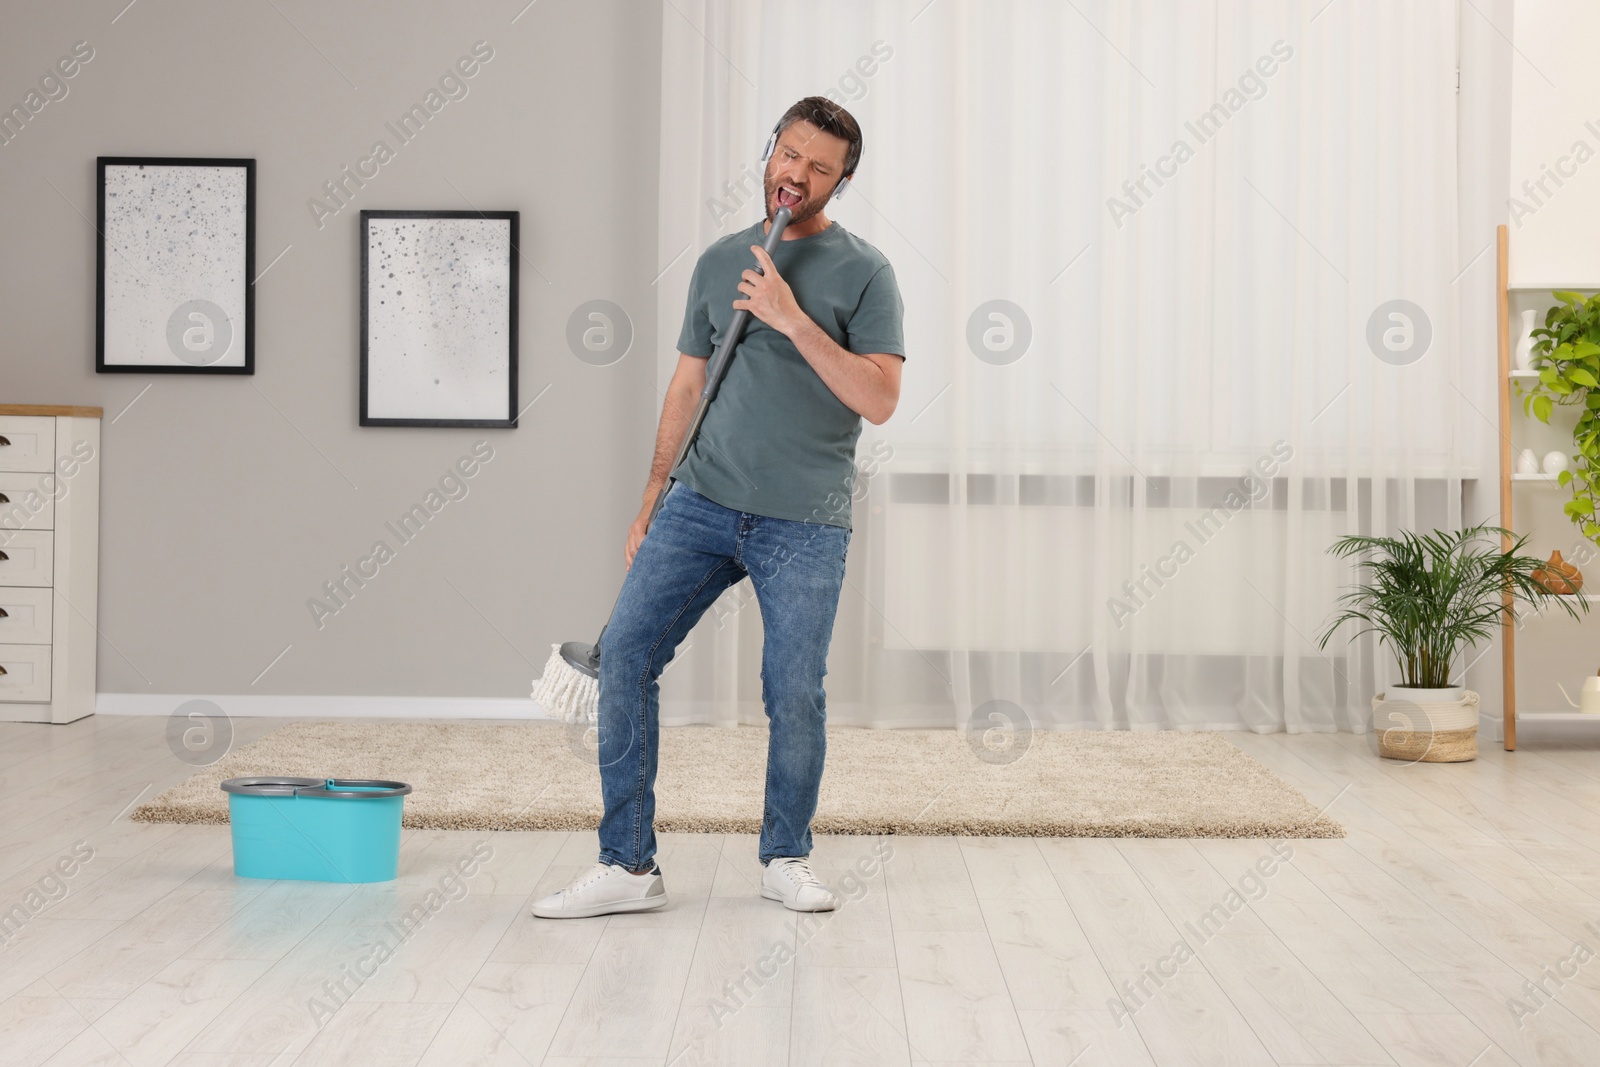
[[439, 318], [175, 290]]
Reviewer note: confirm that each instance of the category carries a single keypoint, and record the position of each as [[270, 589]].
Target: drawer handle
[[4, 441], [4, 614], [4, 499], [3, 557], [2, 670]]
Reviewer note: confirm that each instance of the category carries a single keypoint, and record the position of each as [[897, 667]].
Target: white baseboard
[[317, 707]]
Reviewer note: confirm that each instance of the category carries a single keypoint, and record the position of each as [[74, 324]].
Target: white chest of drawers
[[49, 561]]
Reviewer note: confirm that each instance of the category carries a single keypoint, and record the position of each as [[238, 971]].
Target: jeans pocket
[[673, 485]]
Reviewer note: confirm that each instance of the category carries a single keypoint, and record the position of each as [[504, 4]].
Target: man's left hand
[[767, 296]]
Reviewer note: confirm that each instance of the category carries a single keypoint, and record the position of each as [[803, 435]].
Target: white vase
[[1527, 462], [1555, 462], [1525, 340]]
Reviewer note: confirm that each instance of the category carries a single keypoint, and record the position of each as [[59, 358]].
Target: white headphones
[[772, 145]]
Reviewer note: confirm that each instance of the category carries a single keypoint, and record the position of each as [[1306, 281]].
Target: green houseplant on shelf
[[1429, 597], [1566, 353]]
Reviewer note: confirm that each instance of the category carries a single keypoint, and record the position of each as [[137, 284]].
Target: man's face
[[803, 171]]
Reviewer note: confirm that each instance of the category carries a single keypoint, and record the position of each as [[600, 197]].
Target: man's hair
[[828, 117]]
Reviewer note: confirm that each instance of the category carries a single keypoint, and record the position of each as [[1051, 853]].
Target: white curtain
[[1141, 247]]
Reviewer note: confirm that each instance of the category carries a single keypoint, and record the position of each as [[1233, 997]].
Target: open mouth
[[788, 196]]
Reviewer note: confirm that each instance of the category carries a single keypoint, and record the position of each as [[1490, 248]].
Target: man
[[765, 492]]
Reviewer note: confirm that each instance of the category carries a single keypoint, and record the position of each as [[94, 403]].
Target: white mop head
[[566, 692]]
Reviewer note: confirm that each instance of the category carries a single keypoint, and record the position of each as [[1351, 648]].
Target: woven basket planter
[[1426, 731]]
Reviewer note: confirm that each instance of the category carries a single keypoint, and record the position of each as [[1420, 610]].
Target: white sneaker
[[605, 888], [789, 879]]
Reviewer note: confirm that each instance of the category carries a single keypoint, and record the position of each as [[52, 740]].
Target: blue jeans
[[695, 549]]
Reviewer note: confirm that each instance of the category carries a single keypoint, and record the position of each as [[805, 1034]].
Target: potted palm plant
[[1428, 597]]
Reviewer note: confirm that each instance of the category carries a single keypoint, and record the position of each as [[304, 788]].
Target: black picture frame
[[367, 417], [116, 364]]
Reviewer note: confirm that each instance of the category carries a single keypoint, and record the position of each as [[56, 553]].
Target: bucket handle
[[356, 788], [353, 788]]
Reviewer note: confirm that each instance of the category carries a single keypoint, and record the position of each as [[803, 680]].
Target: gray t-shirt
[[776, 441]]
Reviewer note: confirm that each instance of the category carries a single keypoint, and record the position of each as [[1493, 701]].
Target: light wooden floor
[[1401, 945]]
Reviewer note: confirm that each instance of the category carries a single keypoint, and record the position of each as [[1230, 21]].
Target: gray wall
[[227, 501]]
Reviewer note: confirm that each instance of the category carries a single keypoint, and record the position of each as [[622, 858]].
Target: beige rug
[[540, 776]]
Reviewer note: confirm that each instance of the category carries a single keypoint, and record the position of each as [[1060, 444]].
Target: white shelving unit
[[1533, 482]]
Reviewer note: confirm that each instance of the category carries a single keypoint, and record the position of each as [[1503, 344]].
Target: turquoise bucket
[[315, 829]]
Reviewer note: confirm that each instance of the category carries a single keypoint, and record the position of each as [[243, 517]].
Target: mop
[[571, 681]]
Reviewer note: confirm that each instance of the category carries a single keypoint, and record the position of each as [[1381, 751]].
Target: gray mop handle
[[717, 369]]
